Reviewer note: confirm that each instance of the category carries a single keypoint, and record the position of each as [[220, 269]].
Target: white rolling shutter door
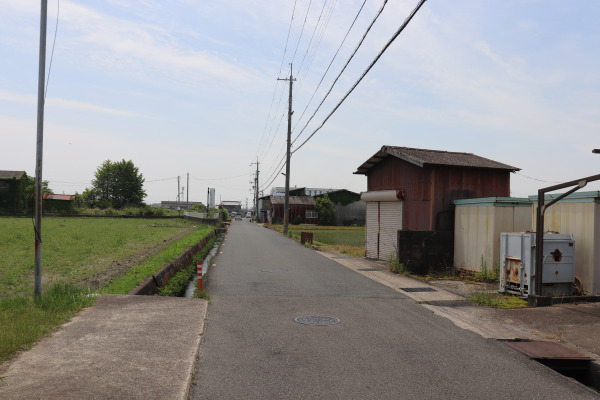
[[372, 225], [390, 217]]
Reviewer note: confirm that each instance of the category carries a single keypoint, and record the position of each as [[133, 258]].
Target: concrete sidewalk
[[124, 347], [574, 325]]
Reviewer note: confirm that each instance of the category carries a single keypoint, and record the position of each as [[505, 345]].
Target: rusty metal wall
[[429, 192]]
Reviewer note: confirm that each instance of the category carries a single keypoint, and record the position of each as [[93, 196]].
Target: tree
[[325, 209], [116, 184]]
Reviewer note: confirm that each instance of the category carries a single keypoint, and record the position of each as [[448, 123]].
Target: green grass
[[497, 300], [178, 284], [125, 283], [340, 239], [82, 251], [25, 320]]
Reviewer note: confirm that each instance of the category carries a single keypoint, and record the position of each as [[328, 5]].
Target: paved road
[[385, 347]]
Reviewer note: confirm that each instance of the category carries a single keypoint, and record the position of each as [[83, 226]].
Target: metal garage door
[[390, 222], [372, 229]]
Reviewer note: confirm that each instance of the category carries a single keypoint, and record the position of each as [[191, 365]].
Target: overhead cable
[[412, 14], [330, 63], [343, 68]]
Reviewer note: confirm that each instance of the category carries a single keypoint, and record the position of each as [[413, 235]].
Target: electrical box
[[517, 264]]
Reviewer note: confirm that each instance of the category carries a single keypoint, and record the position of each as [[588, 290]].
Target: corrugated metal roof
[[10, 174], [58, 196], [306, 200], [425, 157]]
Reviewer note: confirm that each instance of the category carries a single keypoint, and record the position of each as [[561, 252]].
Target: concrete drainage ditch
[[151, 285]]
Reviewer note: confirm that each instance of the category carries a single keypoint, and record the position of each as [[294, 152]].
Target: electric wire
[[408, 19], [303, 73], [312, 37], [277, 83], [534, 179], [301, 31], [343, 69], [330, 63], [52, 52]]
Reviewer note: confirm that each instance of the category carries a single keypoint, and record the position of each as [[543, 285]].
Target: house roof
[[425, 157], [11, 174], [231, 203], [49, 196], [295, 200]]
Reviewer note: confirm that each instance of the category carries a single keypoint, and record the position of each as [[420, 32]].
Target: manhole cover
[[274, 270], [369, 269], [418, 289], [317, 320]]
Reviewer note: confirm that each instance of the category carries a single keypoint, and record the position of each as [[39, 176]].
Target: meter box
[[517, 263]]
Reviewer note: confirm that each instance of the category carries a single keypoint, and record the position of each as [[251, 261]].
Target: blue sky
[[191, 87]]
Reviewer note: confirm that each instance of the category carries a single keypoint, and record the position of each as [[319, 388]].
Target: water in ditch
[[189, 292]]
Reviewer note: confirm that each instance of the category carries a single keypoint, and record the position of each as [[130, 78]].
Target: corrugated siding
[[583, 221], [477, 232], [390, 223], [371, 228]]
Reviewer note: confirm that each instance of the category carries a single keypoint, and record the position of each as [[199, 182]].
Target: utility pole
[[39, 151], [187, 205], [256, 189], [286, 206], [178, 195]]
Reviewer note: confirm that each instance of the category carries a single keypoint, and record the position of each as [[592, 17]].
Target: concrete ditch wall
[[150, 286]]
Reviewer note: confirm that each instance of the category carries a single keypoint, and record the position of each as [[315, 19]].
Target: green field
[[333, 235], [87, 252]]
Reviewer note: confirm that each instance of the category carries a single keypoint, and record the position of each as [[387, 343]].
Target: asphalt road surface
[[385, 346]]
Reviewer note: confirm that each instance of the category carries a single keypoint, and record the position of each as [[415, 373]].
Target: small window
[[312, 214], [3, 185]]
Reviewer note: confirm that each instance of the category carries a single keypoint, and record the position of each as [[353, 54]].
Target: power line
[[312, 36], [412, 14], [53, 44], [331, 62], [535, 179], [301, 31], [277, 83], [343, 68]]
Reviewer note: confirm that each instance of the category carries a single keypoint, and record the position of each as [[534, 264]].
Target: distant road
[[386, 346]]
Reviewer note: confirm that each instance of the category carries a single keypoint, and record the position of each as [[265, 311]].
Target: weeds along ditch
[[183, 284]]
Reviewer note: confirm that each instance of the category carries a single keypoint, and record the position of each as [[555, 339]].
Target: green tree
[[325, 208], [116, 184]]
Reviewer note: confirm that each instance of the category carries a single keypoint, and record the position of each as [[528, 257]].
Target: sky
[[191, 87]]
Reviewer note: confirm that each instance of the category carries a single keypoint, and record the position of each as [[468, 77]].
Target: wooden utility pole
[[286, 206], [39, 151]]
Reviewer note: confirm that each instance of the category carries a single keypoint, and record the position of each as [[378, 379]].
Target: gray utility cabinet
[[517, 264]]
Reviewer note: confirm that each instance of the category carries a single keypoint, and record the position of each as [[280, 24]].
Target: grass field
[[341, 239], [85, 252], [79, 256]]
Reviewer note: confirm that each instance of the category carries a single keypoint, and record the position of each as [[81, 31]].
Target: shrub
[[395, 265]]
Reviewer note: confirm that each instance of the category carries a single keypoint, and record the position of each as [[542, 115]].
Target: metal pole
[[286, 206], [187, 205], [178, 196], [256, 192], [541, 209], [39, 151]]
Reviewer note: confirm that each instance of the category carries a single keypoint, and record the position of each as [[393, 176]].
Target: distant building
[[349, 208], [302, 208], [302, 191], [12, 191], [232, 206]]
